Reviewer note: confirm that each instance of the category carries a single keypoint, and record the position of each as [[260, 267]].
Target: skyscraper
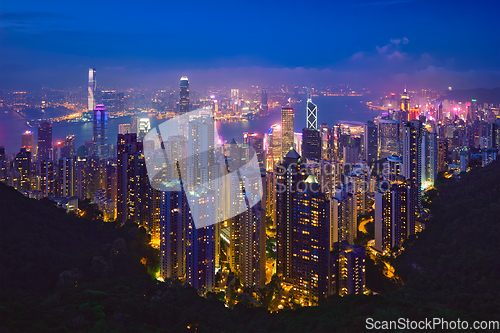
[[412, 166], [347, 269], [274, 146], [311, 144], [22, 165], [184, 95], [132, 182], [405, 102], [429, 156], [370, 142], [263, 102], [312, 114], [388, 134], [286, 130], [393, 216], [442, 155], [44, 141], [310, 242], [288, 174], [100, 139], [344, 226], [91, 90], [27, 141]]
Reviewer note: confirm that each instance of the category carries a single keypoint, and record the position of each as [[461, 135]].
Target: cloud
[[396, 55], [382, 50], [357, 55], [395, 41], [405, 40]]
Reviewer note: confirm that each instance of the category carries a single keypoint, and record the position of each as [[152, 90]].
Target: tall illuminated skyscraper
[[288, 175], [27, 141], [100, 139], [311, 144], [22, 165], [44, 141], [274, 147], [310, 241], [412, 167], [405, 102], [344, 214], [286, 130], [312, 114], [184, 95], [264, 106], [91, 90], [388, 135]]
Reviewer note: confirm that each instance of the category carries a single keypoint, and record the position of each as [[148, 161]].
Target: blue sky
[[381, 43]]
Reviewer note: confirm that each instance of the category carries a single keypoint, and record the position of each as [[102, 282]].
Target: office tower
[[288, 174], [109, 99], [274, 146], [91, 90], [442, 155], [256, 141], [65, 177], [310, 242], [143, 127], [351, 155], [2, 153], [47, 178], [44, 141], [370, 142], [344, 223], [27, 141], [412, 165], [184, 95], [405, 102], [311, 144], [124, 129], [388, 133], [297, 142], [22, 166], [100, 137], [495, 134], [286, 130], [325, 142], [429, 157], [264, 107], [393, 216], [67, 148], [132, 182], [312, 114], [347, 269], [440, 112]]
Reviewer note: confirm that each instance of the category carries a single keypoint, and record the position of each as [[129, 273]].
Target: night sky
[[375, 43]]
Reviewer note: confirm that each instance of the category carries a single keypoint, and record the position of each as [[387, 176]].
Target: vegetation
[[63, 273]]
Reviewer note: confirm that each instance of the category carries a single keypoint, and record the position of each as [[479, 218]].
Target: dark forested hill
[[62, 273]]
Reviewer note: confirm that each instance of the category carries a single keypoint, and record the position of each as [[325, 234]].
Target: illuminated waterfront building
[[100, 137], [286, 130], [27, 141], [91, 104], [184, 95], [312, 114]]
